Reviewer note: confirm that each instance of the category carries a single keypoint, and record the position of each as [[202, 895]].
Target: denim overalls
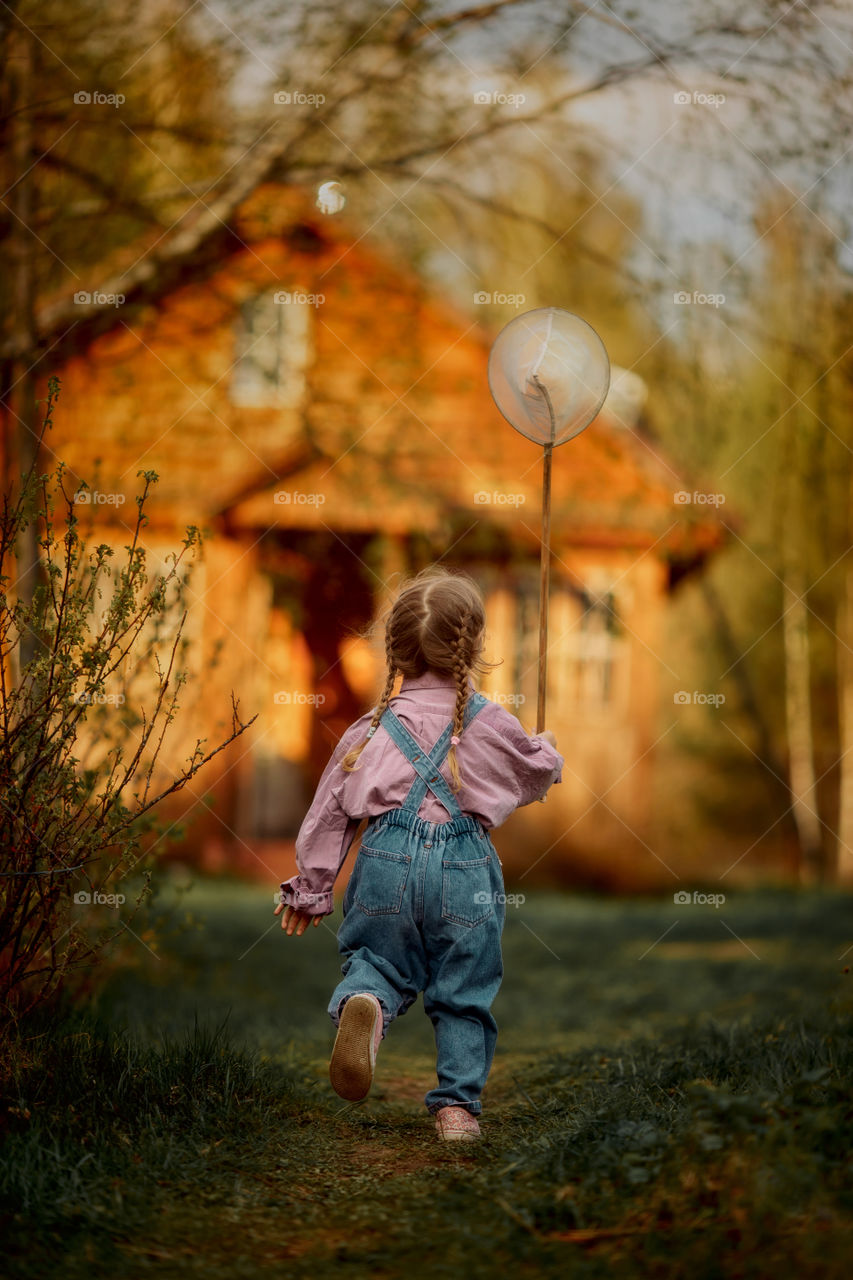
[[424, 911]]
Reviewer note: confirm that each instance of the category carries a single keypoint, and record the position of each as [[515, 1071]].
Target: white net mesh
[[549, 374]]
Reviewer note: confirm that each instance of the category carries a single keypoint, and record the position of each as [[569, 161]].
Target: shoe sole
[[460, 1137], [350, 1068]]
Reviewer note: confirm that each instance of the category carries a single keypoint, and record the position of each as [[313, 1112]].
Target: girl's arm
[[527, 764], [323, 841]]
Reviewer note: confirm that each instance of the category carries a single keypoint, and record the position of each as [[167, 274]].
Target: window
[[271, 351], [525, 681], [585, 644], [594, 651]]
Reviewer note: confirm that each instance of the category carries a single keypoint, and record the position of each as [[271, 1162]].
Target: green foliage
[[91, 670], [133, 100], [153, 1111], [716, 1145]]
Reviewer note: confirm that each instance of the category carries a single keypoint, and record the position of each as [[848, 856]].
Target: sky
[[683, 141]]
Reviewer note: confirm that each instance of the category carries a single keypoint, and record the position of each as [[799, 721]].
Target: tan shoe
[[455, 1124], [356, 1044]]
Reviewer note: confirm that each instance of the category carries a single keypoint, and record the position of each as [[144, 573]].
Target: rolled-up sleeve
[[323, 842], [531, 763]]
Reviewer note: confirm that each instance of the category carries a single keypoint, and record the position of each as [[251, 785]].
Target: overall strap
[[427, 764], [438, 754]]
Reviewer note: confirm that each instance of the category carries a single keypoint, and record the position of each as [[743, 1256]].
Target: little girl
[[434, 769]]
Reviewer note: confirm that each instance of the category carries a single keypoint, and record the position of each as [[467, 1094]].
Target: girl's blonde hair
[[437, 623]]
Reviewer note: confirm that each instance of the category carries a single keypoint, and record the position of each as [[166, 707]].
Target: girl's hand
[[293, 919], [548, 736]]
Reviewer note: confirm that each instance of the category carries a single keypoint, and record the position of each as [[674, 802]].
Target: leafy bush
[[88, 690]]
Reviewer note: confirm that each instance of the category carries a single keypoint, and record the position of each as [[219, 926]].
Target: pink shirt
[[502, 768]]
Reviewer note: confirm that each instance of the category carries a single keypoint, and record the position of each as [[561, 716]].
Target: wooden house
[[312, 404]]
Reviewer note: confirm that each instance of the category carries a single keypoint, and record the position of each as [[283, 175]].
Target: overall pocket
[[466, 890], [381, 881]]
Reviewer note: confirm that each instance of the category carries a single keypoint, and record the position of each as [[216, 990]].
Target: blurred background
[[266, 249]]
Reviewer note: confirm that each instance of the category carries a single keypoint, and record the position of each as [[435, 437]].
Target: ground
[[670, 1095]]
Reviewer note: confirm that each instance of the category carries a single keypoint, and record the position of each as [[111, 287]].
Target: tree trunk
[[801, 773], [21, 407], [774, 767], [844, 855]]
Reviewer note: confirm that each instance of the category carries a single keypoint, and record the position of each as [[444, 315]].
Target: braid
[[461, 669], [348, 764], [437, 623]]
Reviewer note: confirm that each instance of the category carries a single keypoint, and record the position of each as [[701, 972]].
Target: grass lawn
[[671, 1096]]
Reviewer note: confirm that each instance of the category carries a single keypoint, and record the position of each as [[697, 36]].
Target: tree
[[771, 431], [380, 97], [376, 94]]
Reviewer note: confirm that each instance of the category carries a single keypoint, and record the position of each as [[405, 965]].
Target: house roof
[[398, 431]]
